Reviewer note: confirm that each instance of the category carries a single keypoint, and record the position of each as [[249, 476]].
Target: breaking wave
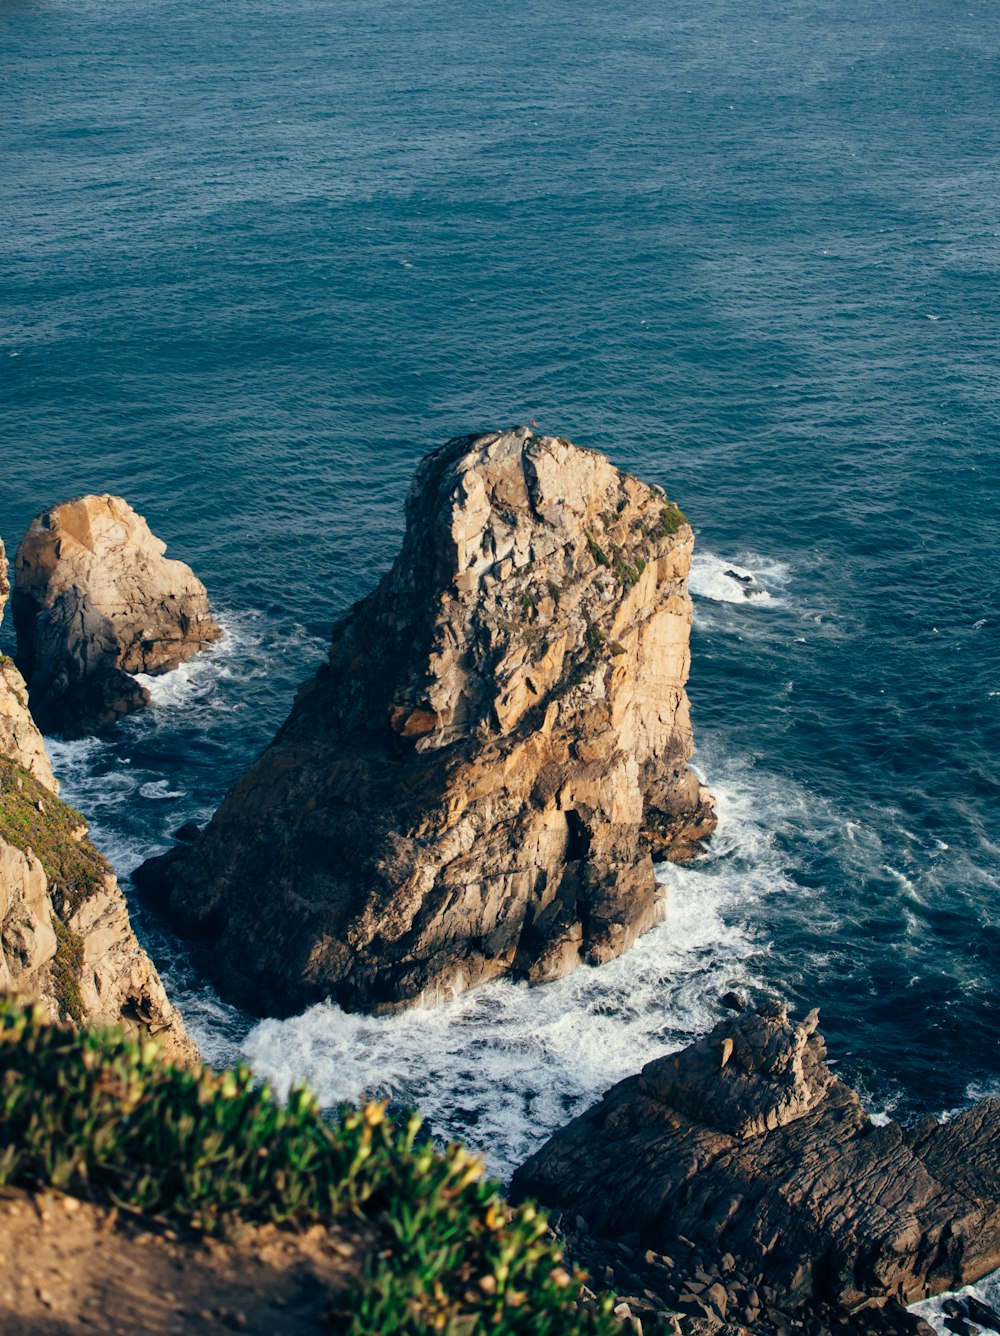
[[502, 1067], [752, 580]]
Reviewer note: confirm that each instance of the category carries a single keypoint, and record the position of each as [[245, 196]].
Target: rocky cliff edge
[[65, 935]]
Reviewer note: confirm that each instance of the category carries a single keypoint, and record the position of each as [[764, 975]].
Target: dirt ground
[[69, 1267]]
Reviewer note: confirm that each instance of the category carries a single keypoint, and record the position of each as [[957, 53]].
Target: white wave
[[235, 652], [979, 1090], [158, 790], [752, 581], [500, 1068], [72, 761], [987, 1291]]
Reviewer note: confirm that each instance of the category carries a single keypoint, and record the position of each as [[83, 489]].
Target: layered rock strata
[[95, 601], [65, 935], [475, 783], [746, 1153]]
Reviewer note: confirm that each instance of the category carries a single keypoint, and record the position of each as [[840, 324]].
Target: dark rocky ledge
[[742, 1183]]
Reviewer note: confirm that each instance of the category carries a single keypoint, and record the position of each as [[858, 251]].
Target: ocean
[[257, 260]]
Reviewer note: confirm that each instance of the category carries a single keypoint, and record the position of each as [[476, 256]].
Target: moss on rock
[[34, 820]]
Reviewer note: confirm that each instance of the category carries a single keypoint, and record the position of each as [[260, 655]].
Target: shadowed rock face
[[746, 1147], [95, 600], [473, 785]]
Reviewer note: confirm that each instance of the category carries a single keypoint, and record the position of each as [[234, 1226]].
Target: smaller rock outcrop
[[65, 935], [744, 1157], [95, 600]]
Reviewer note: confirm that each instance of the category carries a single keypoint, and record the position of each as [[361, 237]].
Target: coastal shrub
[[67, 966], [98, 1115], [671, 519]]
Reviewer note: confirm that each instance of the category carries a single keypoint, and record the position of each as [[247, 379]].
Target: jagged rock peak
[[95, 600], [475, 782], [751, 1074], [517, 548]]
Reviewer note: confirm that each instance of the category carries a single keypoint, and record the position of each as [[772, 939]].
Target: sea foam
[[755, 581], [502, 1067], [933, 1310]]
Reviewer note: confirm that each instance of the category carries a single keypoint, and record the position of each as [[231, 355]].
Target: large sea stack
[[95, 600], [475, 783]]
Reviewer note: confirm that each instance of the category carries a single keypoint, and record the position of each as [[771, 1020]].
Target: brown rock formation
[[27, 938], [747, 1150], [474, 783], [94, 601], [20, 739], [65, 935]]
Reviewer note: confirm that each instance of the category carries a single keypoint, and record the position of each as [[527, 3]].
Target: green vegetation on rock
[[597, 552], [66, 969], [97, 1115], [34, 820], [670, 520]]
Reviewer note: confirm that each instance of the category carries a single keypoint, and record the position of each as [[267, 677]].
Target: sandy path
[[67, 1266]]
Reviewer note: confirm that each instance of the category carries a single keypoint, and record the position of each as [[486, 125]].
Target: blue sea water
[[257, 259]]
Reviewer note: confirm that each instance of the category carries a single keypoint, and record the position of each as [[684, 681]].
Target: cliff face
[[95, 600], [746, 1151], [20, 740], [65, 935], [475, 782]]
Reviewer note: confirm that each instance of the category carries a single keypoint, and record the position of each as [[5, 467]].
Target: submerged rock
[[95, 601], [745, 1156], [476, 782]]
